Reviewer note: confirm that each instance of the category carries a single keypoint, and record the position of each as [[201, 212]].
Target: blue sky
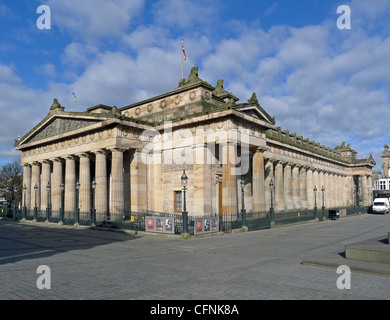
[[326, 84]]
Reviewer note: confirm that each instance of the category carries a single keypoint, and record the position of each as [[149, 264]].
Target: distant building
[[382, 180], [136, 155]]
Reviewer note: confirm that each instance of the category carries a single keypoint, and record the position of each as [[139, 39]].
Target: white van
[[381, 205]]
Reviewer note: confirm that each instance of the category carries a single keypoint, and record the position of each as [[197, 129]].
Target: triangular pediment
[[57, 126], [255, 111]]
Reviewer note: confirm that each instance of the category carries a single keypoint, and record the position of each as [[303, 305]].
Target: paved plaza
[[256, 265]]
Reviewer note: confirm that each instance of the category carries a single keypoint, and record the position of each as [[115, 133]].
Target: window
[[177, 206]]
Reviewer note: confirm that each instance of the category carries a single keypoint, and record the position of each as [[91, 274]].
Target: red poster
[[150, 223], [198, 225]]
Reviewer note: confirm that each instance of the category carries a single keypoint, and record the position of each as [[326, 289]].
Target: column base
[[273, 224]]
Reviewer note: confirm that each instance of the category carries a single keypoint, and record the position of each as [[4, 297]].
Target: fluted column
[[364, 191], [279, 187], [138, 186], [315, 184], [55, 186], [258, 197], [310, 186], [326, 186], [288, 202], [303, 187], [229, 179], [27, 183], [269, 175], [295, 188], [101, 193], [85, 183], [35, 181], [45, 179], [117, 191], [70, 184]]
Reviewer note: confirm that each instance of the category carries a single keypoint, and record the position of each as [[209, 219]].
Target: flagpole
[[182, 60]]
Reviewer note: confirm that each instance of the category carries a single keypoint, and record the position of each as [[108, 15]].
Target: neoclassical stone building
[[136, 155]]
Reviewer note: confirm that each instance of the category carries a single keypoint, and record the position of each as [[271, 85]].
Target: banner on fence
[[160, 224], [206, 225]]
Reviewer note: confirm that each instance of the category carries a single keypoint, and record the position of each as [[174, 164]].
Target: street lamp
[[93, 211], [15, 192], [35, 204], [323, 201], [184, 181], [62, 188], [48, 187], [243, 211], [77, 202], [271, 210], [315, 201], [25, 203]]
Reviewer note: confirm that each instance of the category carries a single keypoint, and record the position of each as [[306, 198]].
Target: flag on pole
[[74, 96], [182, 48]]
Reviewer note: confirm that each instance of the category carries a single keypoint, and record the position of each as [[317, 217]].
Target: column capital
[[99, 151], [56, 160], [117, 149], [69, 157], [83, 155]]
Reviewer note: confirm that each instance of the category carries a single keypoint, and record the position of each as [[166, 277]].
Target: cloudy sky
[[319, 81]]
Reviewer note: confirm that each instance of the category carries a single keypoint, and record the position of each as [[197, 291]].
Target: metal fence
[[136, 220]]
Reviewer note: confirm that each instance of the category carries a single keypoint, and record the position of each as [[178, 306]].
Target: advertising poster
[[150, 223], [198, 226]]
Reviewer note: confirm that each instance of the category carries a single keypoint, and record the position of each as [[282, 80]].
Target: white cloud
[[90, 19]]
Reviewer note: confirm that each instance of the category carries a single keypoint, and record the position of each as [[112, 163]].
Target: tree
[[11, 180]]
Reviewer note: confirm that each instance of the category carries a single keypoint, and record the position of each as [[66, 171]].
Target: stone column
[[85, 183], [27, 183], [269, 175], [303, 187], [229, 179], [55, 186], [279, 187], [364, 191], [35, 181], [370, 184], [288, 201], [117, 193], [138, 187], [295, 188], [326, 186], [258, 196], [310, 187], [315, 184], [202, 184], [45, 179], [321, 182], [70, 184], [101, 191]]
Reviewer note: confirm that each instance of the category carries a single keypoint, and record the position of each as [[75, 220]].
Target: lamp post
[[25, 204], [323, 202], [77, 202], [93, 211], [15, 192], [315, 202], [48, 187], [243, 211], [6, 200], [35, 203], [271, 210], [184, 181], [62, 188]]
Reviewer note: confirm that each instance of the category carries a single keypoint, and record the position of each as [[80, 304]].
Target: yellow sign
[[132, 218], [299, 214]]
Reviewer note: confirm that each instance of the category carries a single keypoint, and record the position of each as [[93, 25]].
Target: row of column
[[62, 170], [295, 186]]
